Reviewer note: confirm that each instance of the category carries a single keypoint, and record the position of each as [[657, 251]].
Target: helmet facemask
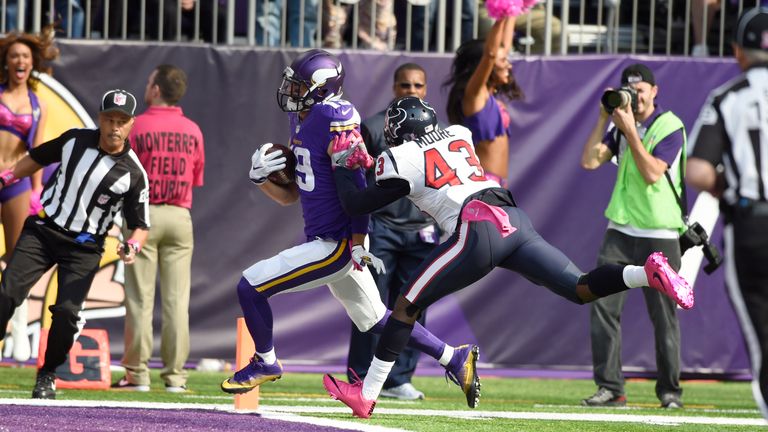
[[314, 77], [290, 96]]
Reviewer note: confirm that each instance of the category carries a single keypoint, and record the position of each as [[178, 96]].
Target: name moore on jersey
[[441, 169]]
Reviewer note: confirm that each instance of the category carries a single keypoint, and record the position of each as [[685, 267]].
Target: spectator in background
[[701, 24], [9, 17], [309, 23], [649, 144], [729, 138], [402, 237], [170, 14], [71, 228], [538, 21], [170, 147], [537, 16], [385, 24], [420, 31], [703, 14], [480, 72], [467, 19], [336, 24], [73, 28], [22, 120], [160, 22], [269, 23]]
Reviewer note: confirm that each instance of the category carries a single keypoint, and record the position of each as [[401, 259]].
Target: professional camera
[[695, 235], [622, 97]]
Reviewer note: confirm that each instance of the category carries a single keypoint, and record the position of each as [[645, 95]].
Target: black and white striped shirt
[[732, 129], [91, 187]]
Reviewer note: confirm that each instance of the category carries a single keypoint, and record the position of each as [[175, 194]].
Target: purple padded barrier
[[519, 325]]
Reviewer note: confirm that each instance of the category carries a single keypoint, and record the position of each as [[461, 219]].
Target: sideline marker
[[87, 364], [245, 349]]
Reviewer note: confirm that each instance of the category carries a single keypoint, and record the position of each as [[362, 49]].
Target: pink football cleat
[[350, 394], [662, 278]]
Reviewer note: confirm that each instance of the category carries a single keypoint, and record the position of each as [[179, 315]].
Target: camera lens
[[611, 100]]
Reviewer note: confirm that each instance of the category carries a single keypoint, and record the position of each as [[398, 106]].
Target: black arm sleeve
[[50, 152], [136, 202], [359, 202]]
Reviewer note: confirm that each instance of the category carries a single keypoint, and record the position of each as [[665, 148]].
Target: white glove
[[361, 258], [263, 164]]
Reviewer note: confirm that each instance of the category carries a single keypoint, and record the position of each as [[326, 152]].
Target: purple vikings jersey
[[310, 138]]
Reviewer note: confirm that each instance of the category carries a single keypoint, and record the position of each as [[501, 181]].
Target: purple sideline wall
[[518, 325]]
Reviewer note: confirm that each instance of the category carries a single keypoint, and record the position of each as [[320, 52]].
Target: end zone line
[[615, 418], [283, 415]]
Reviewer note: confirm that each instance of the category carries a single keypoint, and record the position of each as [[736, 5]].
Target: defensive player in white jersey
[[439, 171]]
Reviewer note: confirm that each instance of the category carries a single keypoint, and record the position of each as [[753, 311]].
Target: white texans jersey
[[442, 170]]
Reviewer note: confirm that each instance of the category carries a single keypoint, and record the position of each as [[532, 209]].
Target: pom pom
[[498, 9]]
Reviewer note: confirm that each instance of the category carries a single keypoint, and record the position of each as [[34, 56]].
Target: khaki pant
[[168, 247]]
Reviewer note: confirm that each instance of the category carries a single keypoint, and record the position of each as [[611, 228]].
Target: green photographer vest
[[639, 204]]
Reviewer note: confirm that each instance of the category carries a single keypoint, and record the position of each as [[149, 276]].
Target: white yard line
[[615, 418], [283, 415], [294, 413]]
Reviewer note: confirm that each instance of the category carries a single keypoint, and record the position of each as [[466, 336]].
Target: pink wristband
[[135, 245], [7, 178]]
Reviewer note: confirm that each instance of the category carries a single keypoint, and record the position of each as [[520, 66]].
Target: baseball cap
[[636, 73], [752, 29], [118, 100]]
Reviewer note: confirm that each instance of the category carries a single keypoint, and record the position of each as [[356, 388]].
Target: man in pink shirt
[[170, 147]]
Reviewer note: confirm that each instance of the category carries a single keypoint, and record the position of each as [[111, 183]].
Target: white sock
[[268, 357], [374, 380], [447, 355], [634, 276]]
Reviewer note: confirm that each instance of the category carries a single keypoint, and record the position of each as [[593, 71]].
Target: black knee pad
[[393, 339]]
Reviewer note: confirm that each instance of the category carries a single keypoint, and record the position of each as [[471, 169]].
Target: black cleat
[[45, 385]]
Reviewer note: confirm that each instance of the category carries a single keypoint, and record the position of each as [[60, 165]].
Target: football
[[286, 175]]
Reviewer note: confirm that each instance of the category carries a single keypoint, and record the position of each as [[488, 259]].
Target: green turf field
[[506, 405]]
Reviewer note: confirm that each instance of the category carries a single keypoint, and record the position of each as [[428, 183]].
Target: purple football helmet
[[313, 77], [408, 118]]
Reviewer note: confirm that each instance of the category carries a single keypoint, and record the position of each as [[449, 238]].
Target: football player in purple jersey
[[333, 253], [439, 171]]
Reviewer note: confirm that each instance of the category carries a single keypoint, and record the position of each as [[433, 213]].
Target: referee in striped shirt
[[731, 136], [98, 178]]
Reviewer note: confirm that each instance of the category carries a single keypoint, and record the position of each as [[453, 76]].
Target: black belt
[[78, 237], [499, 197], [748, 207]]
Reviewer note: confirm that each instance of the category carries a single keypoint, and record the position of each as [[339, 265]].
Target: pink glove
[[360, 157], [34, 202], [349, 151]]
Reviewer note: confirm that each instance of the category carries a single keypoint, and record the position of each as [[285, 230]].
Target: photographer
[[732, 133], [647, 141]]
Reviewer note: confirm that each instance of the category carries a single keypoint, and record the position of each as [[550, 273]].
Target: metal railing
[[657, 27]]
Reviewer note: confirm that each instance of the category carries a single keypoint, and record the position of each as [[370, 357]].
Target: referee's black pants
[[747, 279], [42, 245]]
